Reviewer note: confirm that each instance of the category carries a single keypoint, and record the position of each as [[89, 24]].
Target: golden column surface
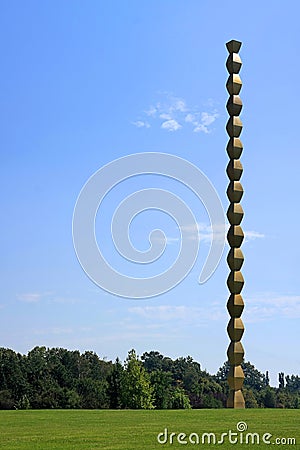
[[235, 236]]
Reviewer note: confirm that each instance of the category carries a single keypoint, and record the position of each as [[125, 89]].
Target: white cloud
[[251, 235], [151, 111], [57, 330], [211, 103], [141, 124], [190, 118], [166, 239], [35, 297], [207, 119], [161, 312], [61, 330], [66, 300], [205, 233], [32, 297], [178, 105], [165, 116], [268, 306], [283, 300], [258, 308], [165, 313], [171, 240], [29, 298], [171, 125], [200, 127], [174, 111]]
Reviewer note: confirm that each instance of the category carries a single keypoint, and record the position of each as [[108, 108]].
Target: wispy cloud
[[252, 235], [60, 331], [33, 297], [258, 308], [66, 300], [165, 313], [141, 124], [172, 240], [171, 125], [268, 306], [201, 121], [172, 113], [205, 233], [151, 112], [161, 312]]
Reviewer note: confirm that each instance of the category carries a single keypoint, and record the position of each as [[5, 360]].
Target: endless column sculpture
[[235, 234]]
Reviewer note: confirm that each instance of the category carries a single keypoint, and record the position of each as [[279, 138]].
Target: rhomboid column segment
[[235, 234]]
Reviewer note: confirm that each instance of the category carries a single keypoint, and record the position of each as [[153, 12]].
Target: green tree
[[93, 393], [44, 390], [155, 361], [284, 399], [191, 377], [6, 399], [59, 378], [222, 373], [179, 399], [152, 361], [182, 365], [115, 385], [269, 398], [23, 403], [211, 393], [281, 380], [13, 375], [293, 383], [92, 366], [254, 379], [137, 390], [70, 399], [296, 402], [162, 389], [250, 399]]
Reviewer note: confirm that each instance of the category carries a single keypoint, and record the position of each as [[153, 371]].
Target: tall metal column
[[235, 234]]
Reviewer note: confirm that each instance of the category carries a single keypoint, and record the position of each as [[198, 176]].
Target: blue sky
[[84, 83]]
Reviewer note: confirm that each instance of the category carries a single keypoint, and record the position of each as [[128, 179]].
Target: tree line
[[60, 378]]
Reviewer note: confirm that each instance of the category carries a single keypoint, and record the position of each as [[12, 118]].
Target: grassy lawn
[[106, 429]]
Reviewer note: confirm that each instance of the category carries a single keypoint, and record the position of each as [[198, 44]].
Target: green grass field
[[106, 429]]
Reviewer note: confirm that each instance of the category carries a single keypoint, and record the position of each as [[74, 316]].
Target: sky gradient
[[84, 83]]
